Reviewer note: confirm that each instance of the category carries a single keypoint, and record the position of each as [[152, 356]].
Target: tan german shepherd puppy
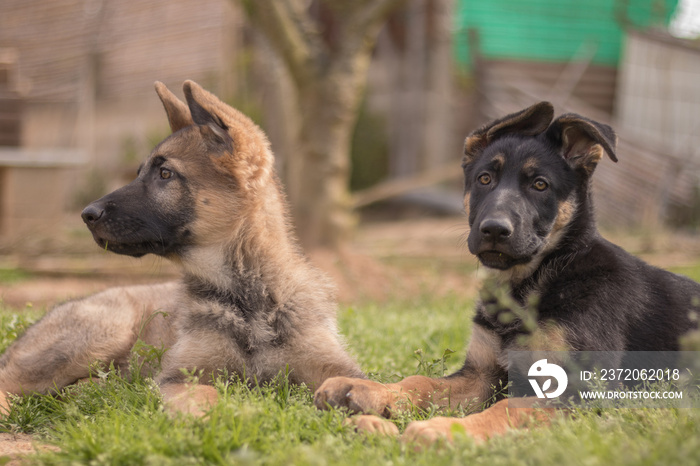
[[248, 302]]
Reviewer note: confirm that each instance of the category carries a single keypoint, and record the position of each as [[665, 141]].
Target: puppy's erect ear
[[203, 107], [242, 147], [528, 122], [582, 141], [178, 113]]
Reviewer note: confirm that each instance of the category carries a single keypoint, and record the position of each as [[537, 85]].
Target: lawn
[[122, 422]]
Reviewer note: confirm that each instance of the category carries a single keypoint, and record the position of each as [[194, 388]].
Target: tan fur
[[473, 145], [530, 164], [254, 160], [567, 210], [549, 336], [419, 391], [565, 214], [191, 399], [467, 197], [241, 245], [178, 114], [499, 160], [370, 424], [4, 403], [471, 389], [530, 121], [591, 159], [496, 420], [590, 154], [484, 347]]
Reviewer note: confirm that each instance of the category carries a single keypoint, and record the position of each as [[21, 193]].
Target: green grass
[[690, 271], [13, 324], [13, 275], [120, 422]]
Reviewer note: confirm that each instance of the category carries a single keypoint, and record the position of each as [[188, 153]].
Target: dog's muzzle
[[495, 230], [92, 214], [495, 244]]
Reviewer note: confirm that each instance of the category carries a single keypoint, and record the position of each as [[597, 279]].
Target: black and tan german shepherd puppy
[[531, 218], [248, 302]]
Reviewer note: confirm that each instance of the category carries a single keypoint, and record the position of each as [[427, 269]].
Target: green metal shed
[[554, 30]]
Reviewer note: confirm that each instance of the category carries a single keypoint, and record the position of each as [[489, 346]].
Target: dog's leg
[[366, 396], [316, 355], [191, 366], [194, 399], [417, 391], [61, 347], [472, 385], [499, 418]]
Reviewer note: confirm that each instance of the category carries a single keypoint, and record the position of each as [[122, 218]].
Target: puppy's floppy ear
[[582, 141], [528, 122], [203, 107], [178, 113]]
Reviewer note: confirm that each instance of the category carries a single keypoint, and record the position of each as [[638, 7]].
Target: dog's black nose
[[496, 229], [92, 214]]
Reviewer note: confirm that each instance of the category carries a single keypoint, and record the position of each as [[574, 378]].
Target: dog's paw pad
[[371, 424]]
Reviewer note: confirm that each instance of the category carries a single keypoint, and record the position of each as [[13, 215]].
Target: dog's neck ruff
[[208, 265], [250, 296], [243, 278]]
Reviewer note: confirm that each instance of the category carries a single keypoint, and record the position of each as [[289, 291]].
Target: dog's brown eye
[[165, 173], [485, 179], [540, 185]]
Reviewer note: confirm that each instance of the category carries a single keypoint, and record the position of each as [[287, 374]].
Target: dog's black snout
[[92, 214], [496, 229]]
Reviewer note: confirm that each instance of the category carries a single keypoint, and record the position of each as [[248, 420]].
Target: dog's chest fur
[[598, 299], [499, 296], [247, 312]]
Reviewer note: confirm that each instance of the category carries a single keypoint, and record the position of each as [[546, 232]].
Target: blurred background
[[404, 80]]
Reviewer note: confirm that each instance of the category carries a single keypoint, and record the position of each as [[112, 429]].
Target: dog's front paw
[[370, 424], [5, 404], [357, 395], [425, 433], [479, 427], [194, 400]]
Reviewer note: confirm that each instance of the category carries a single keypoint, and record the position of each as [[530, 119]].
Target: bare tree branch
[[374, 11], [292, 32], [362, 23], [365, 10]]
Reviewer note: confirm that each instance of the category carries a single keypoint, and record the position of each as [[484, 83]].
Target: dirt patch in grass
[[14, 446]]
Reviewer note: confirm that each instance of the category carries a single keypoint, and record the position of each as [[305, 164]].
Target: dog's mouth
[[133, 249], [499, 260]]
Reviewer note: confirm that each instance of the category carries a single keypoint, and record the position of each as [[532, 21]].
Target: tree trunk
[[329, 108], [329, 76]]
